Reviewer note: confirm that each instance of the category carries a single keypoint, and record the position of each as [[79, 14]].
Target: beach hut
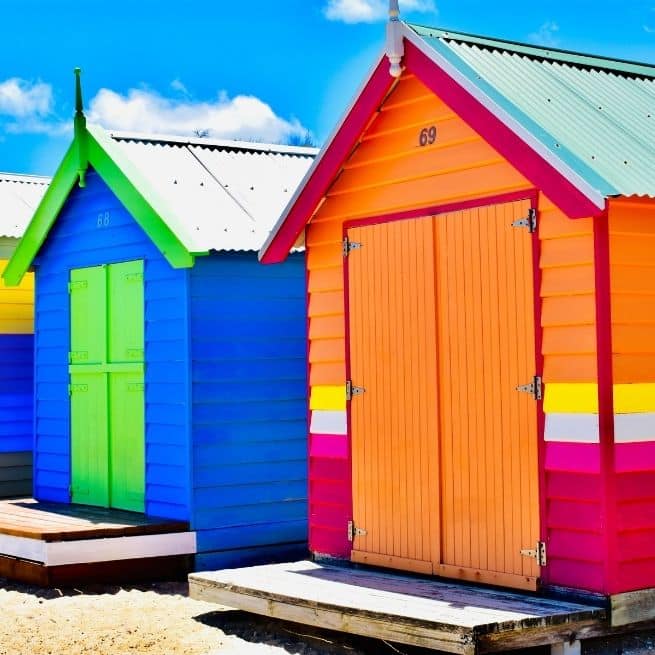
[[19, 196], [479, 238], [170, 365]]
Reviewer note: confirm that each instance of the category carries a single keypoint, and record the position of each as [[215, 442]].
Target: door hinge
[[538, 553], [355, 532], [534, 388], [353, 391], [348, 246], [530, 221]]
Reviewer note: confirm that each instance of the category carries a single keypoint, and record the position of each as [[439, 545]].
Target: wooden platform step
[[59, 544], [456, 618]]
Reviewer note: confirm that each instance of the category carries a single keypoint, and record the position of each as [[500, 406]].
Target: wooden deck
[[52, 543], [452, 617]]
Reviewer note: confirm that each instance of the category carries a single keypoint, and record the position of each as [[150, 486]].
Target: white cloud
[[21, 99], [369, 11], [546, 35], [241, 117]]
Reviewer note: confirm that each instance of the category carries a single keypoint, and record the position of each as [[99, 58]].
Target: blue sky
[[260, 69]]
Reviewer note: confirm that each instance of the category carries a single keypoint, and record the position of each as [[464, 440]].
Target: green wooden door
[[88, 387], [126, 385], [107, 386]]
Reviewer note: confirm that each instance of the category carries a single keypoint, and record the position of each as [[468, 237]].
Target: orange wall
[[390, 172], [632, 253], [568, 296]]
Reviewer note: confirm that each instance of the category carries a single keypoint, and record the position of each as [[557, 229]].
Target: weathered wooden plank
[[57, 522], [632, 607], [411, 610], [139, 570], [388, 628]]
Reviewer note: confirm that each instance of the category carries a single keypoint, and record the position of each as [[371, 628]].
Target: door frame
[[531, 195]]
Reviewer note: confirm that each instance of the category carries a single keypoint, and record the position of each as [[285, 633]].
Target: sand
[[160, 619]]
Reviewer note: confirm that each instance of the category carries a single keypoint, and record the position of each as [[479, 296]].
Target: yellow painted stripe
[[571, 398], [582, 398], [330, 398], [634, 398]]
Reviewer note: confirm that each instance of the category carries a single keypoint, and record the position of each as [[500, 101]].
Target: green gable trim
[[139, 198], [553, 54], [44, 216], [125, 181]]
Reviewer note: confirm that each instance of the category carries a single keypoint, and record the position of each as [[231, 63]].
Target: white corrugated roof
[[224, 195], [19, 197]]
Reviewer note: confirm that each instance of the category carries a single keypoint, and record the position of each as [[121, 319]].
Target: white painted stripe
[[329, 422], [575, 428], [23, 548], [85, 551], [633, 428], [111, 549]]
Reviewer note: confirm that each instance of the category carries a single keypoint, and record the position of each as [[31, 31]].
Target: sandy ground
[[159, 619]]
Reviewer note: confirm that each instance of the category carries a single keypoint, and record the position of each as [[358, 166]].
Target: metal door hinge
[[355, 532], [530, 221], [350, 245], [538, 553], [353, 391], [78, 284], [534, 388]]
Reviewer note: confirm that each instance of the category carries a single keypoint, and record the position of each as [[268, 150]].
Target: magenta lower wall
[[330, 496]]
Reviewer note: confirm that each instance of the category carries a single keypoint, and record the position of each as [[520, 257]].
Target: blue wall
[[249, 367], [77, 241], [16, 392]]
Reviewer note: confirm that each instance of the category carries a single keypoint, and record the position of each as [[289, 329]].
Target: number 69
[[428, 136]]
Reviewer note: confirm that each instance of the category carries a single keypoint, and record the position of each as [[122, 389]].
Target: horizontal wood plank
[[453, 617], [32, 519]]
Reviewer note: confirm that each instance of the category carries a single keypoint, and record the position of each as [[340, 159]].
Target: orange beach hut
[[480, 231]]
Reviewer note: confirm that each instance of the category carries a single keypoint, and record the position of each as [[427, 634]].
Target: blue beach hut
[[170, 367], [19, 196]]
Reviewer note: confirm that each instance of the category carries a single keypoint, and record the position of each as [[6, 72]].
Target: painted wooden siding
[[573, 484], [249, 372], [632, 276], [387, 172], [16, 386], [80, 238]]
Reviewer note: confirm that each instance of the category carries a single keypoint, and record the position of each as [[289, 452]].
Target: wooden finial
[[79, 126], [395, 47]]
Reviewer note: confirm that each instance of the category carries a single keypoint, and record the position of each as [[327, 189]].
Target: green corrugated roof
[[595, 113]]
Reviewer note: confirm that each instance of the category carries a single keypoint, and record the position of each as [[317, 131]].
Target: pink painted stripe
[[634, 456], [329, 445], [331, 161], [573, 457], [516, 151]]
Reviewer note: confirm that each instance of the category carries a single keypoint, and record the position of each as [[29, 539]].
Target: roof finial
[[395, 46], [79, 125]]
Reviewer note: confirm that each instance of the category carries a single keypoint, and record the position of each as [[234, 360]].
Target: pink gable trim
[[522, 156], [516, 151], [331, 161]]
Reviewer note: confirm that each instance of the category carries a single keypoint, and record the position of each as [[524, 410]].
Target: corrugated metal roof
[[226, 195], [19, 197], [600, 110]]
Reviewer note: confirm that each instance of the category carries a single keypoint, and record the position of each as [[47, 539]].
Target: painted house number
[[427, 136], [103, 219]]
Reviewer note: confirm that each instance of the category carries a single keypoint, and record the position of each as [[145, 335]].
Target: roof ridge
[[227, 144], [570, 57]]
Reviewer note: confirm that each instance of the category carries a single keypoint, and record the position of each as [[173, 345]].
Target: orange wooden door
[[489, 470], [445, 476], [394, 423]]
